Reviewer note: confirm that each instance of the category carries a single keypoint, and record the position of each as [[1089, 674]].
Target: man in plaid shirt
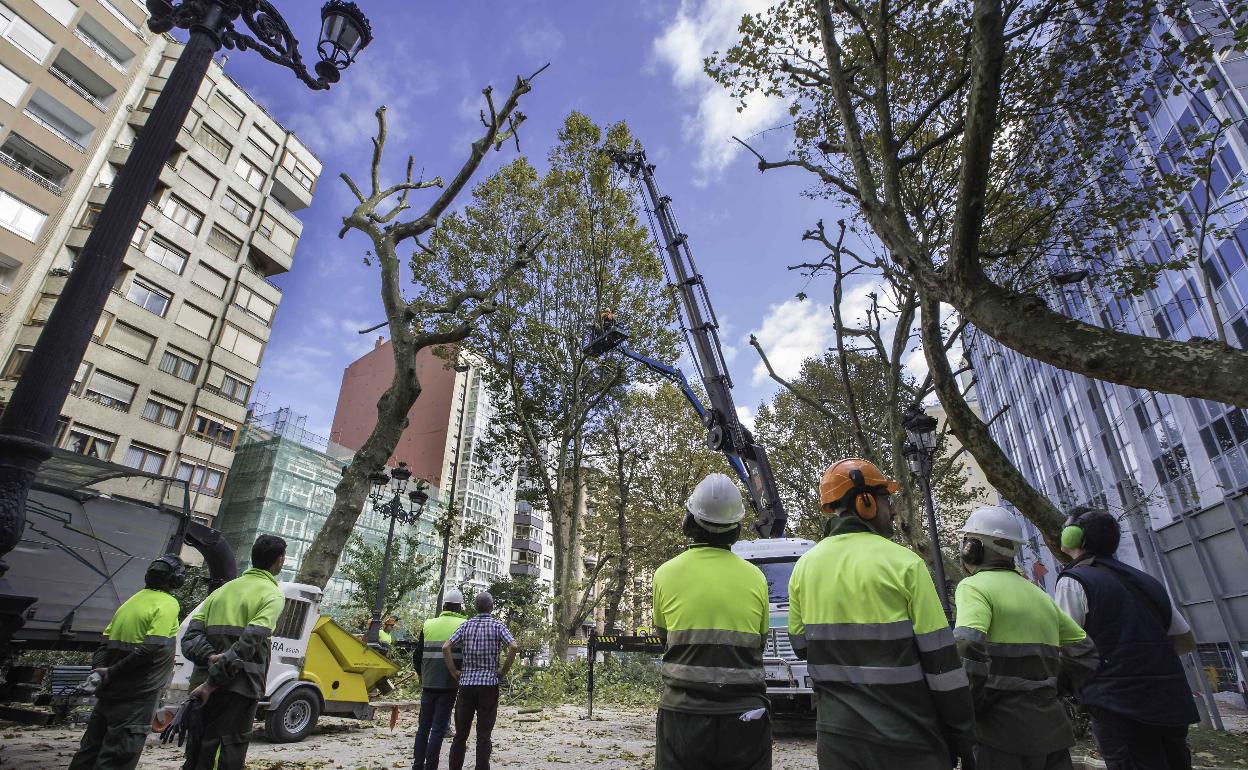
[[481, 638]]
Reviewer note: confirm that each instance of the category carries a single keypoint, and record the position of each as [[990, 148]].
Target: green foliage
[[409, 571], [623, 679], [520, 602], [193, 591]]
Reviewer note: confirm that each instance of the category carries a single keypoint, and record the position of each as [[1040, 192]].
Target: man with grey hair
[[481, 638]]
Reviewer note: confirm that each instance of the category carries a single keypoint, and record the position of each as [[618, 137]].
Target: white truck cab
[[788, 685]]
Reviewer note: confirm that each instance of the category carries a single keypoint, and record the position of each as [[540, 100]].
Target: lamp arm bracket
[[273, 40]]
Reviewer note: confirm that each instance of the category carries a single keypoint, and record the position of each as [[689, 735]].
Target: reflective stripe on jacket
[[878, 646], [434, 675], [237, 621], [1017, 645], [138, 646], [712, 607]]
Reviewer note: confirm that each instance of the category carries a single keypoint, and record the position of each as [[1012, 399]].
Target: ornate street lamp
[[29, 420], [918, 450], [394, 483]]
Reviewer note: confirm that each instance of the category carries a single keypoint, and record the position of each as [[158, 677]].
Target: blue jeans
[[435, 716]]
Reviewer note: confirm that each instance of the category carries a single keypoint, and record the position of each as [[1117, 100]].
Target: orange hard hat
[[852, 474]]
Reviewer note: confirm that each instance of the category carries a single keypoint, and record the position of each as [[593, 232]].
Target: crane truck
[[788, 684]]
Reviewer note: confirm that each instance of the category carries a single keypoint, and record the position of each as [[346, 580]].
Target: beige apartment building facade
[[167, 379]]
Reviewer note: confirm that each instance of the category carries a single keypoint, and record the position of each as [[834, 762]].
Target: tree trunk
[[620, 582], [322, 556], [973, 433]]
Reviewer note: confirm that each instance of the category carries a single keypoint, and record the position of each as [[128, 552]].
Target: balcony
[[107, 47], [531, 570], [116, 13], [28, 160], [80, 79], [59, 120]]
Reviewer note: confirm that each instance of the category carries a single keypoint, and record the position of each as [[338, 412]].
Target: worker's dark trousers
[[228, 719], [711, 742], [1129, 745], [483, 701], [988, 758], [837, 752], [435, 717], [115, 734]]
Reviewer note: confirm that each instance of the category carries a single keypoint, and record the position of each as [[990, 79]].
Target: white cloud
[[746, 416], [700, 28], [539, 40], [791, 332]]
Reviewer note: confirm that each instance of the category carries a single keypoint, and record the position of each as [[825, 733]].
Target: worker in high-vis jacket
[[710, 607], [229, 639], [890, 691], [437, 686], [133, 664], [1019, 650]]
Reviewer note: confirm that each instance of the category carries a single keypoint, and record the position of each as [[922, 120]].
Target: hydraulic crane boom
[[724, 430]]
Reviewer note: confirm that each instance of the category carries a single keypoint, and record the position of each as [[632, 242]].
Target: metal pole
[[938, 561], [374, 625], [446, 535], [29, 421]]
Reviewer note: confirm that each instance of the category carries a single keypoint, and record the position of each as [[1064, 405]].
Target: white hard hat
[[453, 596], [716, 503], [994, 522]]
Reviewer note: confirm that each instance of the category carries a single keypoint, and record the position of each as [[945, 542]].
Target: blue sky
[[637, 61]]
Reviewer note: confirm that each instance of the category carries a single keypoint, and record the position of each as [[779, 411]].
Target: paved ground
[[559, 739]]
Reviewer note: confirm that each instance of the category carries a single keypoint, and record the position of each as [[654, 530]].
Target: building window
[[212, 428], [20, 217], [89, 442], [262, 142], [8, 272], [250, 173], [255, 305], [113, 392], [195, 320], [182, 365], [180, 212], [210, 280], [198, 177], [22, 35], [226, 110], [203, 478], [126, 339], [302, 174], [17, 363], [145, 458], [12, 86], [90, 215], [163, 411], [224, 243], [228, 385], [519, 556], [140, 233], [166, 255], [148, 297], [547, 563], [281, 237], [237, 208], [241, 344], [213, 142], [526, 532]]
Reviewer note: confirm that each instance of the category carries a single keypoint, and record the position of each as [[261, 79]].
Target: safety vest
[[712, 606], [878, 646], [434, 675], [238, 620], [385, 637], [138, 646], [1015, 643]]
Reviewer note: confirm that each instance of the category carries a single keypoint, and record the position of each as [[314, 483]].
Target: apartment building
[[443, 444], [68, 69], [1173, 469], [166, 382]]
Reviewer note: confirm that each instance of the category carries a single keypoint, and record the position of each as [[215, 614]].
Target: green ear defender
[[1072, 537]]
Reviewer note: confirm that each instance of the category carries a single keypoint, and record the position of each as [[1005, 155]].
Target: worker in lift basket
[[1019, 650], [890, 691], [130, 668], [710, 607], [229, 640]]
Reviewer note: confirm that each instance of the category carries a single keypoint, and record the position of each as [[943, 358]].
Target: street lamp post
[[392, 509], [919, 447], [460, 368], [29, 421]]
